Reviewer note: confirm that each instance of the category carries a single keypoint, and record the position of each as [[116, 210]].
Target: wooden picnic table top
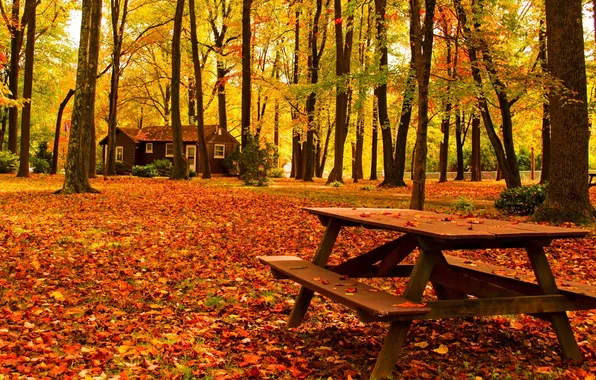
[[445, 226]]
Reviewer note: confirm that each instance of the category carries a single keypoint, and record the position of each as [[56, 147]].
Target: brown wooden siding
[[129, 148]]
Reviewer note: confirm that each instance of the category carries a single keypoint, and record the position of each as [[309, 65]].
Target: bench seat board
[[522, 282], [347, 291]]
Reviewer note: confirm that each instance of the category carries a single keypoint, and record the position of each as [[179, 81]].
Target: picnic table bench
[[495, 290], [591, 182]]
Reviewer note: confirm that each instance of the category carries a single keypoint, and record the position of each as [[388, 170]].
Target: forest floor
[[153, 278]]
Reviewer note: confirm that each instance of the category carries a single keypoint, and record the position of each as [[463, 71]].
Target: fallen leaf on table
[[324, 282], [409, 304], [372, 290], [317, 278], [351, 290]]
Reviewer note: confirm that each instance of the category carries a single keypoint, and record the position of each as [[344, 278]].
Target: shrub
[[9, 163], [336, 184], [276, 173], [163, 167], [192, 174], [463, 204], [368, 187], [123, 168], [147, 171], [43, 153], [231, 162], [40, 165], [256, 161], [521, 200]]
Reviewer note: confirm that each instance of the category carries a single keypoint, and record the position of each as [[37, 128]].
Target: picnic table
[[495, 290]]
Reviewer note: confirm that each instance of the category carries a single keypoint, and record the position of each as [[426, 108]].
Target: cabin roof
[[162, 133]]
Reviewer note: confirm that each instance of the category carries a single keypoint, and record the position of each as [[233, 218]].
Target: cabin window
[[220, 151], [169, 150], [119, 153], [149, 148]]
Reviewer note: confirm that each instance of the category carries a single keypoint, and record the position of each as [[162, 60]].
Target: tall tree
[[31, 6], [199, 92], [76, 179], [343, 51], [219, 15], [16, 31], [381, 91], [246, 70], [567, 198], [423, 43], [475, 168], [119, 12], [546, 156], [180, 169], [313, 67], [374, 141], [55, 151]]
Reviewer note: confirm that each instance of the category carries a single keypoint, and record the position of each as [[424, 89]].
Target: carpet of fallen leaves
[[159, 279]]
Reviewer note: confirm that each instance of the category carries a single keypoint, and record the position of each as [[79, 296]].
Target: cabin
[[142, 146]]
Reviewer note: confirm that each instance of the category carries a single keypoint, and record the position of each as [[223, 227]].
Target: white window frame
[[121, 150], [223, 154], [172, 145], [148, 147]]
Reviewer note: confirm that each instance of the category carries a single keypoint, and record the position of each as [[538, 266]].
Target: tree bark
[[16, 43], [180, 170], [567, 198], [423, 66], [76, 179], [374, 142], [200, 119], [246, 80], [342, 70], [546, 156], [55, 153], [31, 5], [117, 39], [476, 170], [3, 129], [94, 45], [459, 146]]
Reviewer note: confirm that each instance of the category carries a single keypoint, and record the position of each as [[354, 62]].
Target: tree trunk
[[381, 92], [374, 142], [476, 170], [342, 71], [3, 129], [546, 157], [27, 90], [16, 43], [459, 146], [76, 179], [117, 37], [567, 198], [94, 46], [69, 95], [200, 119], [404, 120], [325, 149], [296, 171], [180, 169], [445, 121], [246, 90], [423, 66]]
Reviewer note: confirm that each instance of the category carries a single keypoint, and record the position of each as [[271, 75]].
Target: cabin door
[[191, 155]]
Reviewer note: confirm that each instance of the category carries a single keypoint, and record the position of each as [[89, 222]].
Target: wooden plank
[[446, 292], [320, 259], [364, 262], [513, 280], [342, 289], [493, 306], [559, 320], [409, 243], [398, 330], [443, 225]]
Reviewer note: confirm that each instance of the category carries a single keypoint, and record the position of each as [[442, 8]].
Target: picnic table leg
[[559, 320], [320, 259], [399, 330]]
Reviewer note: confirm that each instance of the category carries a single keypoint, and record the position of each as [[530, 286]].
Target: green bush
[[9, 163], [123, 168], [39, 165], [368, 187], [163, 167], [43, 153], [336, 184], [147, 171], [463, 204], [256, 161], [521, 200], [230, 163], [276, 173], [192, 174]]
